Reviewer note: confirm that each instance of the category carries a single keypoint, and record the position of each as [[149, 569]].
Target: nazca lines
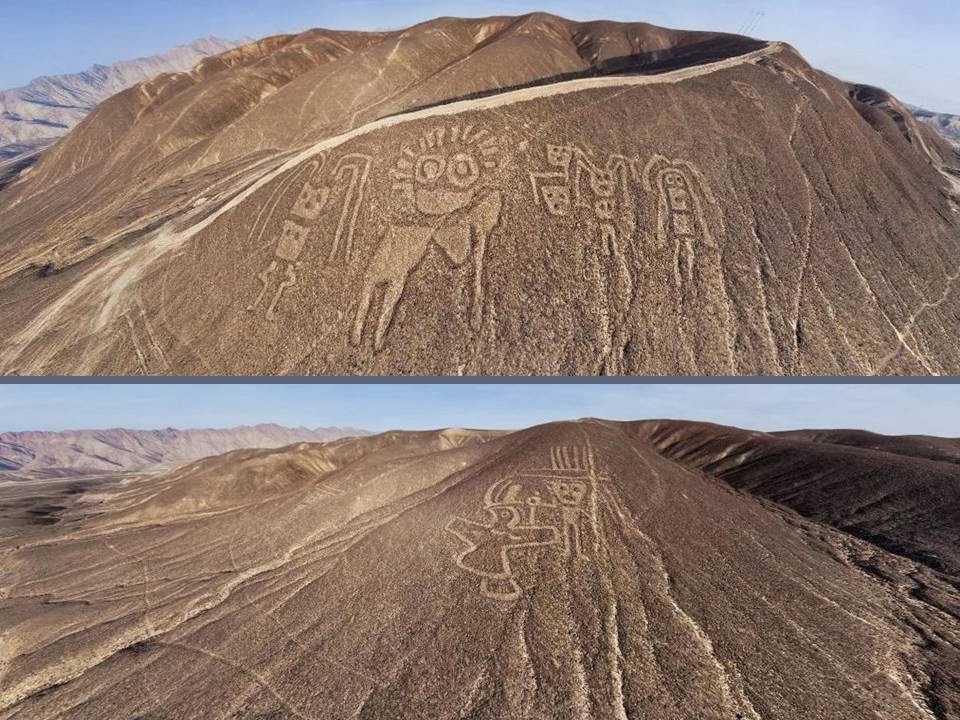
[[749, 92], [445, 202], [569, 458], [539, 508], [680, 187], [577, 179], [127, 267], [563, 188], [349, 179], [681, 223], [150, 356]]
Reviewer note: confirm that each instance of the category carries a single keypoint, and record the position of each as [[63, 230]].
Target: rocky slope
[[508, 195], [17, 158], [113, 450], [573, 570], [32, 116], [902, 494]]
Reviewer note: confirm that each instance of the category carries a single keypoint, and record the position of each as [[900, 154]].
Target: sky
[[909, 48], [887, 408]]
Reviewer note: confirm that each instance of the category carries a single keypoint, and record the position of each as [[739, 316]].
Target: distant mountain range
[[54, 453], [34, 115], [948, 126]]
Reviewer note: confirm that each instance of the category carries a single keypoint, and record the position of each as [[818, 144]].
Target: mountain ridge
[[947, 125], [36, 114], [124, 449]]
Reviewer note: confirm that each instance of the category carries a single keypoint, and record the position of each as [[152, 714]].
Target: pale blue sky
[[894, 409], [909, 48]]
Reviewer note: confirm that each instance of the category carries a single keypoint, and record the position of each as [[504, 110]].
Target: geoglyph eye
[[452, 156], [430, 168], [462, 170], [673, 178], [559, 155]]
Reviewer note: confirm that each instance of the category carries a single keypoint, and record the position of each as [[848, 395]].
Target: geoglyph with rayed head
[[445, 199]]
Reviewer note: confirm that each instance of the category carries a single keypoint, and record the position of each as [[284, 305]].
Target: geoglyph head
[[442, 174], [569, 492]]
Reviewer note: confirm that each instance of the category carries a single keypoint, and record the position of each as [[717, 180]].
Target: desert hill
[[35, 115], [574, 570], [508, 195], [902, 494], [119, 449]]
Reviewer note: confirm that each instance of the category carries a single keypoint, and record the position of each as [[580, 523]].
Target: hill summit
[[506, 195]]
